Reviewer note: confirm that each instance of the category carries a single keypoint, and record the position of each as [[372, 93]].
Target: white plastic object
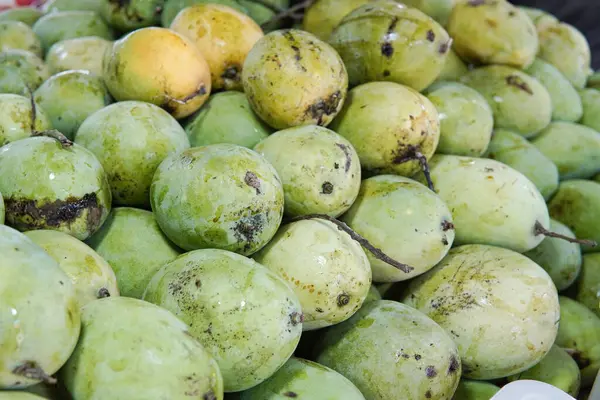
[[531, 390]]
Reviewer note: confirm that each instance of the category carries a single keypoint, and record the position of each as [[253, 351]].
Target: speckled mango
[[414, 358], [125, 16], [27, 15], [518, 153], [454, 68], [574, 148], [16, 118], [588, 284], [500, 308], [40, 318], [331, 275], [91, 275], [131, 139], [84, 53], [404, 219], [387, 123], [577, 205], [21, 72], [130, 349], [293, 78], [132, 243], [71, 5], [48, 186], [18, 35], [475, 390], [200, 205], [158, 66], [323, 16], [69, 97], [304, 380], [590, 99], [246, 316], [388, 41], [520, 103], [224, 36], [466, 119], [173, 7], [319, 169]]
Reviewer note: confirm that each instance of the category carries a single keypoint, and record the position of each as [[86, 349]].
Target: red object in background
[[23, 3]]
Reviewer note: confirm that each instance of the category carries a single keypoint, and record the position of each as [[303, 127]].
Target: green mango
[[27, 15], [557, 368], [500, 308], [372, 295], [245, 315], [69, 97], [493, 32], [574, 148], [131, 349], [57, 26], [126, 16], [2, 210], [588, 284], [577, 205], [226, 117], [133, 244], [85, 53], [566, 103], [387, 123], [506, 210], [386, 41], [319, 169], [131, 139], [16, 118], [40, 318], [71, 5], [14, 395], [172, 8], [475, 390], [591, 107], [466, 119], [21, 72], [534, 13], [91, 275], [304, 379], [517, 152], [454, 68], [520, 103], [262, 14], [439, 10], [51, 183], [392, 351], [323, 16], [18, 35], [592, 83]]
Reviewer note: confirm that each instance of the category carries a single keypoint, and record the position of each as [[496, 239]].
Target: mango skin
[[84, 53], [173, 7], [388, 41], [71, 5], [18, 35], [385, 122], [292, 78], [240, 209], [323, 16], [246, 316], [132, 243], [33, 283], [593, 81], [27, 15], [454, 68], [130, 15], [475, 390], [15, 395], [2, 210], [591, 108], [118, 336], [131, 139], [588, 284], [21, 71], [479, 293], [397, 341], [15, 118]]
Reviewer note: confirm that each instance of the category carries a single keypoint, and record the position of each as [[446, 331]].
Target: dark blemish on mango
[[428, 394], [346, 151], [454, 364], [475, 3], [343, 300], [323, 107], [198, 283], [430, 371], [336, 165], [327, 188], [444, 47], [103, 293], [445, 241], [296, 318], [290, 394], [517, 82], [447, 225], [246, 229], [231, 73], [297, 56], [430, 35], [417, 357], [386, 47], [252, 180], [209, 396], [386, 73]]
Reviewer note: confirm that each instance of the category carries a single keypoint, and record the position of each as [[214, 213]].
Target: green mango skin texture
[[386, 122], [466, 119], [70, 97], [91, 275], [27, 15], [591, 108], [493, 32], [246, 316], [126, 16], [199, 205], [499, 306], [319, 169], [20, 396], [439, 10], [15, 118], [404, 219], [132, 243], [561, 259], [505, 210], [57, 26], [557, 368], [292, 78], [475, 390], [372, 295], [131, 139], [566, 103], [226, 117], [18, 35], [71, 5], [85, 53], [534, 13], [40, 316], [304, 379], [454, 68], [130, 349], [46, 186], [172, 8], [592, 83], [21, 71], [2, 211], [577, 205], [588, 284], [323, 16], [262, 14], [391, 351], [387, 41], [574, 149], [520, 103], [331, 276], [518, 153]]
